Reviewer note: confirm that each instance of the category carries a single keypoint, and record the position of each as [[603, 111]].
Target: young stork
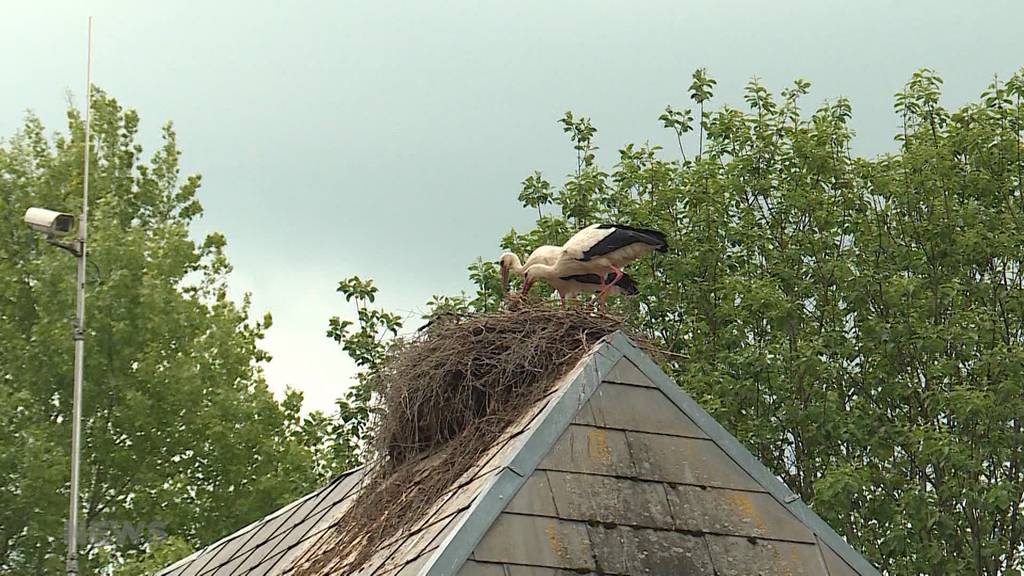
[[598, 249], [510, 262]]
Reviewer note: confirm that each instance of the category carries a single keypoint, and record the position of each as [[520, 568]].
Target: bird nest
[[445, 396]]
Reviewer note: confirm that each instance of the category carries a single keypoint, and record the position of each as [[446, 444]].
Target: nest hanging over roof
[[445, 397]]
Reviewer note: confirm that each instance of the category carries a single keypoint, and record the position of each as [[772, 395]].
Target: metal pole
[[79, 330]]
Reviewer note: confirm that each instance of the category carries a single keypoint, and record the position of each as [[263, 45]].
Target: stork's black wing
[[585, 278], [622, 236]]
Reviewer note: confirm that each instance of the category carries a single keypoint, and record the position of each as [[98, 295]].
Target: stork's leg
[[606, 287], [618, 275], [561, 297]]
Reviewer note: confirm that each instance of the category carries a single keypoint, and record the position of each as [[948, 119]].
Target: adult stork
[[598, 249]]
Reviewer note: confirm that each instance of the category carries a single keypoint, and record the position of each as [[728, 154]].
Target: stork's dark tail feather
[[626, 283], [621, 236], [654, 237]]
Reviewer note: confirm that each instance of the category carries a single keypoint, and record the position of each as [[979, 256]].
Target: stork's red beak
[[527, 285]]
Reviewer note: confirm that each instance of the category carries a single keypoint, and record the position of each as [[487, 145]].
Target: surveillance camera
[[49, 222]]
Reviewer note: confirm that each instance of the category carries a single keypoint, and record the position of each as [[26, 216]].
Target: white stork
[[511, 263], [597, 249], [568, 286]]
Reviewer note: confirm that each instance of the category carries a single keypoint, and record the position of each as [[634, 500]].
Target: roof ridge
[[556, 417], [742, 456], [583, 380], [513, 462]]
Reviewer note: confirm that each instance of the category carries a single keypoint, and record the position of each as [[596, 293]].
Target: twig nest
[[445, 396]]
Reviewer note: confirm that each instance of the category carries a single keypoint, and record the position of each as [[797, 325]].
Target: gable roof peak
[[615, 423]]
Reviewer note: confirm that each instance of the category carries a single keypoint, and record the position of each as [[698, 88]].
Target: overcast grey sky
[[388, 139]]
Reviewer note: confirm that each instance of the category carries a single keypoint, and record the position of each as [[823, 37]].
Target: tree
[[162, 554], [180, 434], [367, 345], [857, 322]]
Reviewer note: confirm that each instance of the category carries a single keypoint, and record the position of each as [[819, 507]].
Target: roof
[[615, 471], [268, 544]]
